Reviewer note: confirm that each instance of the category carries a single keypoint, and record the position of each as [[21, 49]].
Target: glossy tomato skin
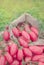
[[35, 30], [16, 32], [20, 55], [26, 35], [23, 42], [6, 35]]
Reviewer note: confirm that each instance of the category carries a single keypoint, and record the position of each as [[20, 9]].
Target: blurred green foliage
[[12, 9]]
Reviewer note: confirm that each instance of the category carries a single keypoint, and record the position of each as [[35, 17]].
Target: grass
[[12, 9]]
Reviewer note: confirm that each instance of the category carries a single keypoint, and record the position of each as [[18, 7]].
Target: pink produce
[[16, 32], [13, 49], [40, 63], [23, 42], [6, 35], [26, 35], [27, 52], [8, 57], [33, 36], [36, 50], [15, 62], [27, 59], [37, 57], [32, 32], [20, 55], [41, 59], [35, 30]]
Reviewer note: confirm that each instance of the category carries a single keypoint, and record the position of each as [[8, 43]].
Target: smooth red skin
[[6, 35], [20, 55], [15, 62], [27, 59], [13, 49], [27, 52], [15, 32], [8, 57], [2, 60], [37, 57], [23, 42], [34, 30], [26, 35], [36, 50], [33, 36], [40, 63]]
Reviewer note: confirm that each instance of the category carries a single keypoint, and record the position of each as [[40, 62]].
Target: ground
[[12, 9]]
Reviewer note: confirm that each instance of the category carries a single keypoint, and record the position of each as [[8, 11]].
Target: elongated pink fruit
[[36, 49], [6, 35], [40, 63], [37, 57], [8, 57], [13, 49], [16, 32], [26, 36], [34, 30], [27, 59], [41, 59], [20, 55], [15, 62], [23, 42], [33, 36], [27, 52]]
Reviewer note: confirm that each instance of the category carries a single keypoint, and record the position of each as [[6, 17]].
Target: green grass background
[[12, 9]]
